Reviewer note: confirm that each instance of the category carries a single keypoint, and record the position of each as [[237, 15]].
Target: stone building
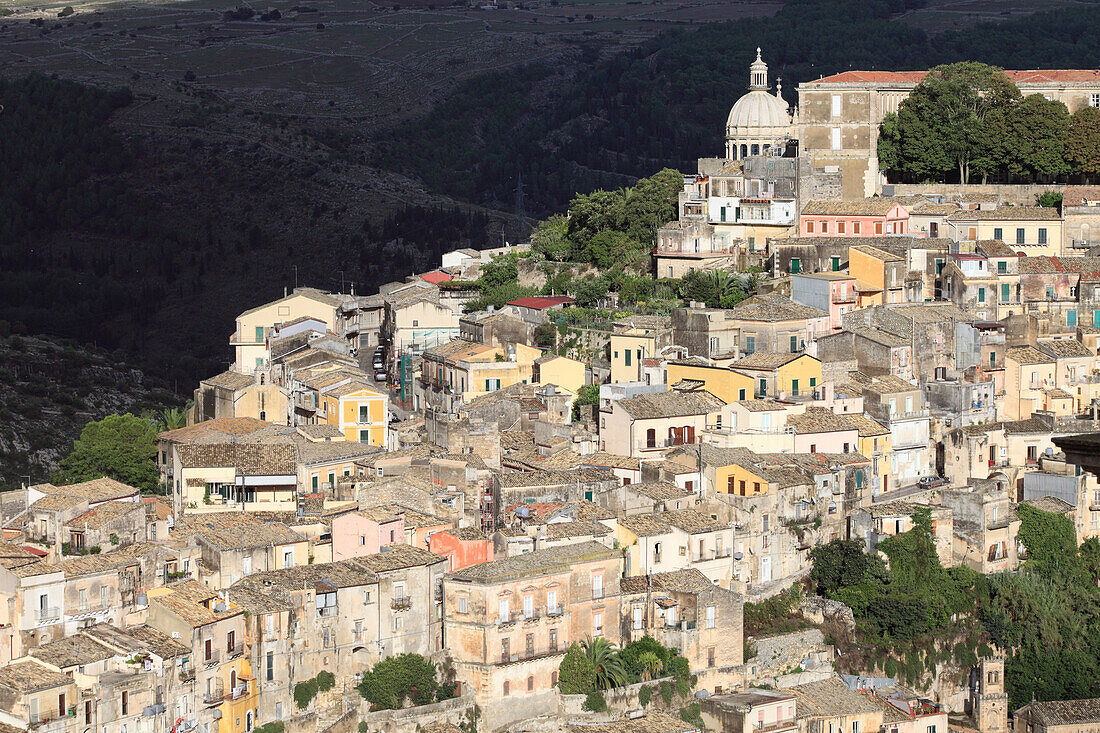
[[509, 622]]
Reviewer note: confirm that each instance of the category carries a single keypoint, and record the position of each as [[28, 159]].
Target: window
[[710, 656], [530, 683], [626, 356], [835, 138], [597, 586], [125, 703], [503, 610], [794, 387], [855, 726], [1004, 292], [836, 260], [998, 233], [855, 227], [796, 263], [597, 624], [1020, 235], [764, 392], [1042, 235], [552, 643], [794, 344], [651, 438], [824, 227], [270, 666], [259, 333], [1094, 100], [528, 606], [364, 413], [1071, 318], [839, 230], [364, 436], [750, 344], [741, 394], [1050, 292], [835, 109], [636, 614], [1002, 267], [878, 227], [462, 604], [507, 688], [710, 617], [809, 227]]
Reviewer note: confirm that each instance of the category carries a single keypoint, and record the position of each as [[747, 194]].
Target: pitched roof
[[96, 490], [102, 515], [1065, 348], [1050, 504], [534, 564], [764, 360], [1080, 195], [30, 676], [1007, 213], [669, 404], [218, 427], [247, 458], [830, 697], [860, 207], [1065, 712], [1028, 355], [688, 579], [912, 78], [231, 380], [249, 537], [772, 307], [542, 302]]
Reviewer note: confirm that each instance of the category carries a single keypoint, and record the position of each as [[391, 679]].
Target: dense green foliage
[[968, 118], [595, 664], [397, 680], [576, 676], [606, 664], [304, 692], [1083, 142], [778, 614], [122, 447], [275, 726], [716, 288], [664, 103], [594, 702]]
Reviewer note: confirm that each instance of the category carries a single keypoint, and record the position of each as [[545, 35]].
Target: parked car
[[928, 482], [380, 375]]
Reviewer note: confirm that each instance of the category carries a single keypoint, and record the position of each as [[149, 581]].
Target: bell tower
[[988, 699], [758, 74]]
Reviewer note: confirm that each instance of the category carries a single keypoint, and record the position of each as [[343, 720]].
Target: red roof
[[542, 302], [436, 276], [1078, 195], [35, 551], [1032, 76]]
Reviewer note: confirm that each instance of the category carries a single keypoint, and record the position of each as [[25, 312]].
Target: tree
[[607, 248], [606, 667], [1051, 543], [1083, 142], [588, 394], [551, 238], [941, 126], [501, 270], [173, 418], [546, 335], [122, 447], [838, 564], [576, 676], [914, 562], [396, 679], [631, 656], [1036, 135], [651, 665]]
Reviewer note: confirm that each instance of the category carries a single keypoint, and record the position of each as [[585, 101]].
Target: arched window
[[755, 149], [531, 683], [744, 151], [507, 688], [249, 721]]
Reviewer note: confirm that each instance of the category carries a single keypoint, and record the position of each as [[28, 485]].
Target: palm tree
[[605, 660], [651, 665], [174, 417]]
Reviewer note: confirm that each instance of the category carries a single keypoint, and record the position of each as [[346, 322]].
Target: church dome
[[759, 121], [758, 109]]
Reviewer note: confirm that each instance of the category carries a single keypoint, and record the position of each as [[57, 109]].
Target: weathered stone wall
[[409, 720], [1005, 193]]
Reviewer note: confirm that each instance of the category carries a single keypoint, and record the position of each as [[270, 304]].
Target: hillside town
[[396, 513]]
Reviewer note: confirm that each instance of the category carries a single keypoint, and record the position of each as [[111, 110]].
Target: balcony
[[662, 444], [232, 652], [509, 619], [47, 614], [214, 694], [774, 726], [401, 603], [214, 657], [326, 612], [554, 612], [187, 674], [527, 656]]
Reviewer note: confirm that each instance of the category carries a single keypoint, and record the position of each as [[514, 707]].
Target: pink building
[[354, 535], [462, 547], [865, 218], [831, 292]]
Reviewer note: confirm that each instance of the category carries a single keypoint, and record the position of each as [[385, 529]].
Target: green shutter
[[1004, 292], [796, 266], [1071, 318], [794, 387]]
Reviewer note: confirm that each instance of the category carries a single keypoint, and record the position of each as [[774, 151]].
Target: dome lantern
[[758, 73]]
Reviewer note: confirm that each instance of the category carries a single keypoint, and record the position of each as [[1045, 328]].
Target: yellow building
[[360, 411], [254, 326], [874, 443], [1032, 230], [781, 375], [880, 275], [723, 383], [628, 349], [739, 479], [569, 374]]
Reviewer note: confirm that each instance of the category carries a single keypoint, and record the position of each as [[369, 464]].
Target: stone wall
[[781, 655], [1005, 193], [408, 720]]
